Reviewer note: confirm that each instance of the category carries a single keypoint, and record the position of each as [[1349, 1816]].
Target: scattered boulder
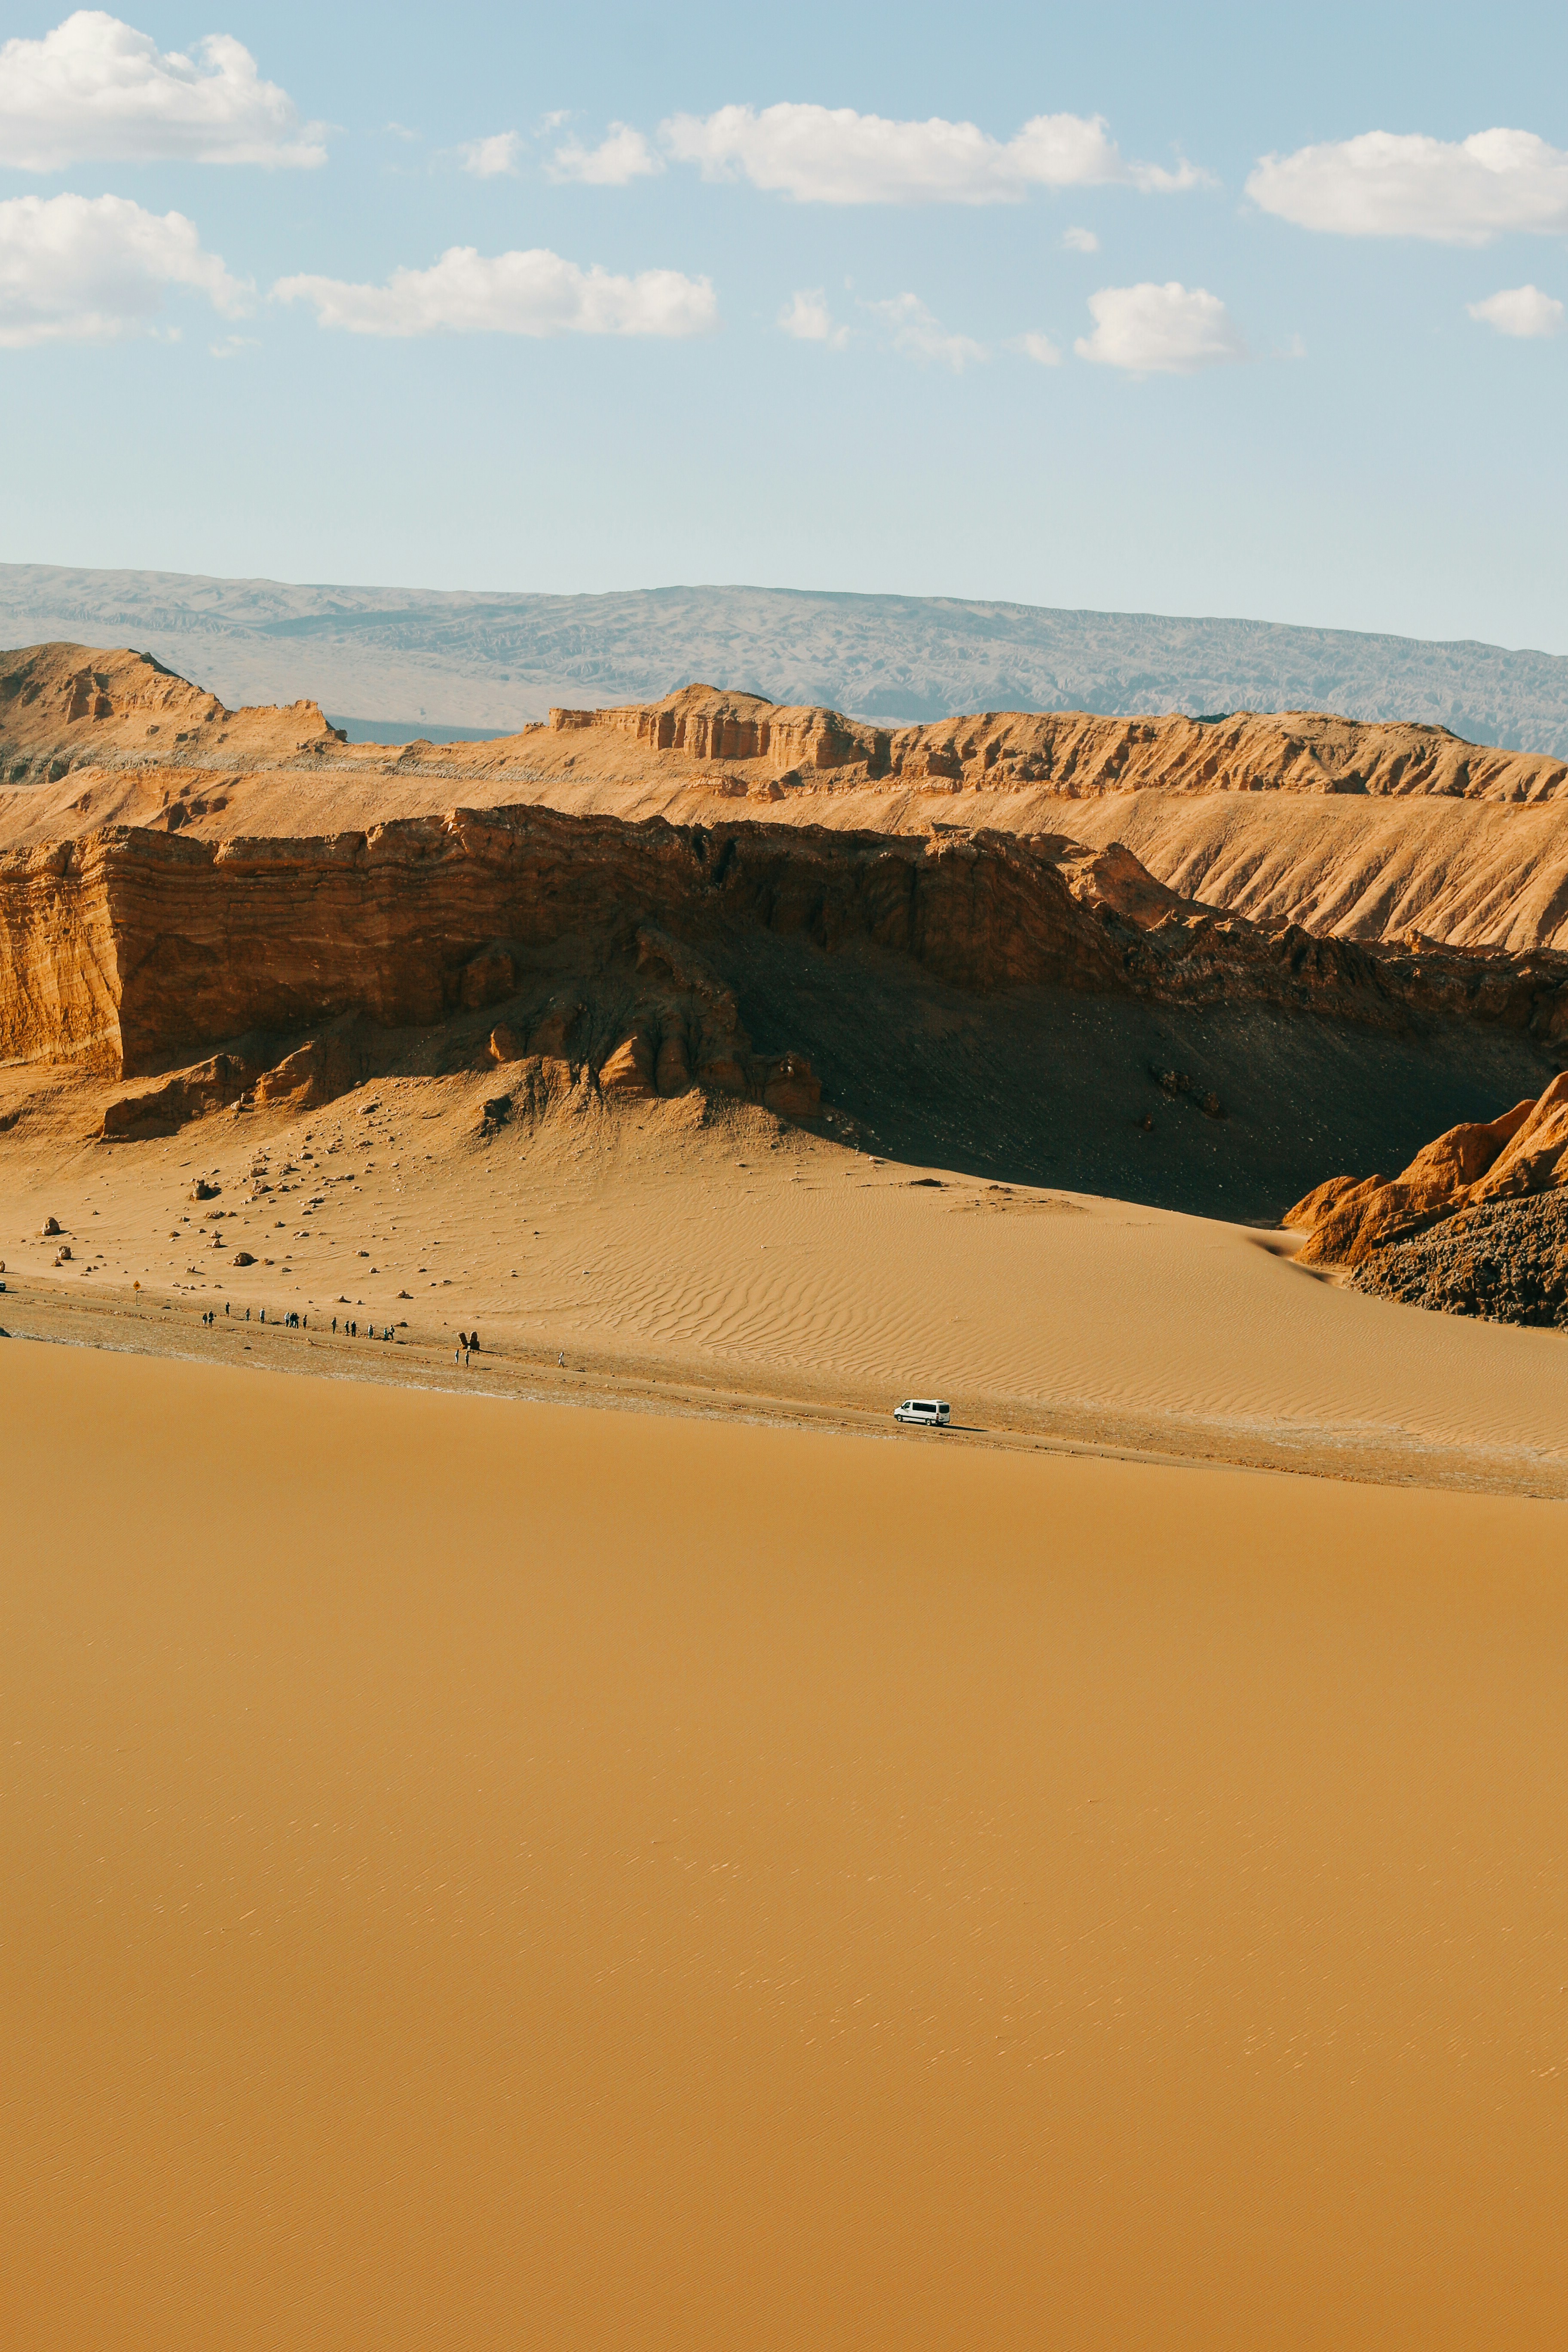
[[243, 1257], [188, 1094], [630, 1068], [672, 1074], [549, 1033], [201, 1191], [62, 1255], [50, 1228], [792, 1088], [487, 978]]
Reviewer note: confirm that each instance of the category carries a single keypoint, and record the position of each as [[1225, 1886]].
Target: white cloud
[[623, 156], [533, 293], [831, 156], [492, 158], [1521, 311], [1384, 184], [93, 268], [807, 317], [1080, 240], [96, 90], [1160, 330], [919, 336], [1040, 349]]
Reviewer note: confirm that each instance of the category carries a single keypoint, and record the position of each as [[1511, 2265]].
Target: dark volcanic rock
[[1507, 1260]]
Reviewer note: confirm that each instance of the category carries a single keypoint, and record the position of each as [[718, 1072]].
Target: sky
[[1249, 310]]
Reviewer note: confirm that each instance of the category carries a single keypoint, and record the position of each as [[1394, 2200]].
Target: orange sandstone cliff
[[1363, 832]]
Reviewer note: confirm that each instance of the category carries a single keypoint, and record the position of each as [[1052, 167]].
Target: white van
[[925, 1411]]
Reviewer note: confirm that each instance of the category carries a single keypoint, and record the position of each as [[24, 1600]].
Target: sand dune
[[672, 1241], [484, 1876]]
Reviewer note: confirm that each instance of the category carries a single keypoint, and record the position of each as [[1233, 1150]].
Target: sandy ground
[[711, 1258], [485, 1877]]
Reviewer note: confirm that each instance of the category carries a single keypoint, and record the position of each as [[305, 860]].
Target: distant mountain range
[[392, 663]]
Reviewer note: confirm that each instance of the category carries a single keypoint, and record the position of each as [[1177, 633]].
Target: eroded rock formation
[[1478, 1223], [63, 705], [1366, 832], [277, 969]]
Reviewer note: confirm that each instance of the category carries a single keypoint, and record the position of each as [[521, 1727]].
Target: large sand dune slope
[[674, 1242], [484, 1876]]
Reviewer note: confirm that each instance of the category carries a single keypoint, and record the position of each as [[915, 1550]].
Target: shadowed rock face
[[133, 947]]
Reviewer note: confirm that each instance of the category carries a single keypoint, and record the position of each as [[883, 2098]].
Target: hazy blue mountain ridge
[[416, 659]]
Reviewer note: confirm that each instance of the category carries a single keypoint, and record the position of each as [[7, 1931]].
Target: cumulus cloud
[[1041, 350], [1150, 330], [96, 90], [94, 268], [1080, 240], [532, 293], [919, 336], [493, 158], [807, 317], [1521, 311], [832, 155], [622, 156], [1385, 184]]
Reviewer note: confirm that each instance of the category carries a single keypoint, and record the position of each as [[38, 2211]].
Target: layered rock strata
[[132, 948], [1078, 755], [1363, 832]]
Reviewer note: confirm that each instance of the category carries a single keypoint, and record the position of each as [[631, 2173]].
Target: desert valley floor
[[687, 1256], [600, 1839]]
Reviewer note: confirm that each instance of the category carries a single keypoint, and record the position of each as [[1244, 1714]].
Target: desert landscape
[[509, 1729]]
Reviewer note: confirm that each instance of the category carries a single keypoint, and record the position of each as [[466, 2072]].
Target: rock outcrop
[[65, 707], [1366, 832], [273, 971], [1478, 1223], [1079, 756]]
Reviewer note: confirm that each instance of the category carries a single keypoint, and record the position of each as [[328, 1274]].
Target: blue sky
[[1075, 347]]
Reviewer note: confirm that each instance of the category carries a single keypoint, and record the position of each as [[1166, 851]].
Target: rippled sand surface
[[486, 1875]]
